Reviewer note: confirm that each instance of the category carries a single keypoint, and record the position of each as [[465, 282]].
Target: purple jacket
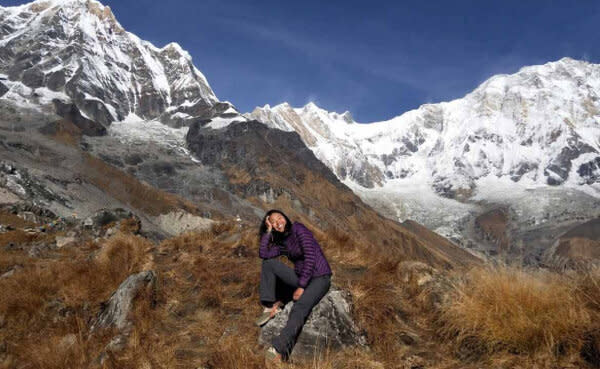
[[302, 249]]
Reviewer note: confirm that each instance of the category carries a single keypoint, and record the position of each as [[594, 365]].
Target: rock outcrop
[[579, 247], [329, 325], [114, 312]]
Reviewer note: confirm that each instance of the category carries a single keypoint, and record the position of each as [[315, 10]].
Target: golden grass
[[207, 299], [47, 305], [510, 309], [7, 218], [379, 307], [19, 237], [588, 289]]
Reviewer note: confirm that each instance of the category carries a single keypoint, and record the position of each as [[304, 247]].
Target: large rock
[[177, 222], [329, 325], [115, 311]]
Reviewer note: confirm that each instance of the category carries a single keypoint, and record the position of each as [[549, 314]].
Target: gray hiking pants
[[271, 289]]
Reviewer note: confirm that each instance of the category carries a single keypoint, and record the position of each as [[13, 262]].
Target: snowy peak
[[78, 8], [77, 48], [327, 135], [539, 126], [286, 117]]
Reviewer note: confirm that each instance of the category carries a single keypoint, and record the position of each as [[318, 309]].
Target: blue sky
[[375, 59]]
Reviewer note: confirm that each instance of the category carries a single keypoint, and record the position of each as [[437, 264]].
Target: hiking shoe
[[267, 315], [273, 358]]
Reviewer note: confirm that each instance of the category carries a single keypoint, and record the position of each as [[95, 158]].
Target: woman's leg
[[273, 269], [314, 292]]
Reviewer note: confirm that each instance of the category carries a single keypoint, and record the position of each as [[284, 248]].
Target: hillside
[[191, 300]]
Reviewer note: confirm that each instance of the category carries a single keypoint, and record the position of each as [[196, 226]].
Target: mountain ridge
[[83, 54]]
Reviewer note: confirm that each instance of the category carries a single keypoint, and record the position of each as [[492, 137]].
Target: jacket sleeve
[[309, 246], [267, 250]]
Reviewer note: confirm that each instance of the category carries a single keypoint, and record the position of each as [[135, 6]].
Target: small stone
[[413, 362], [68, 341], [12, 271], [88, 222], [64, 241], [111, 232], [118, 343], [406, 339]]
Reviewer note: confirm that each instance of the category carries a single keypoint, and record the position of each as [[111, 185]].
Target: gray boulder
[[329, 325], [114, 312]]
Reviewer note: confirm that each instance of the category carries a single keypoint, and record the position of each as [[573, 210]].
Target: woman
[[308, 282]]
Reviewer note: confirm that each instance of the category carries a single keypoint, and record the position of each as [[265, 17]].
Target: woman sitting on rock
[[307, 283]]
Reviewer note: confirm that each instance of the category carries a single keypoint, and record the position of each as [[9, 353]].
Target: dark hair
[[277, 236]]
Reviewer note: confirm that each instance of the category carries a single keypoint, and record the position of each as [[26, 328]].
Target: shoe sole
[[271, 360], [263, 319]]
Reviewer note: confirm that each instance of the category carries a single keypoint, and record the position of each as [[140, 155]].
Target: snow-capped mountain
[[538, 126], [76, 51], [528, 142], [330, 137]]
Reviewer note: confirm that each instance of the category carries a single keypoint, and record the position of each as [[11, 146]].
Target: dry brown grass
[[47, 305], [379, 308], [207, 299], [19, 238], [588, 289], [7, 218], [509, 309], [341, 248]]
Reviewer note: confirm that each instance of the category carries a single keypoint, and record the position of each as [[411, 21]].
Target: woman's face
[[278, 221]]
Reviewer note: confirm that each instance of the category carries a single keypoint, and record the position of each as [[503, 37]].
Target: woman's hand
[[299, 291], [269, 225]]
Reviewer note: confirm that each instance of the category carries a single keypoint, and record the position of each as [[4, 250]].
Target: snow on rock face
[[328, 135], [540, 125], [78, 48]]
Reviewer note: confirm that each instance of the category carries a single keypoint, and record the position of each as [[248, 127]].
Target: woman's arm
[[309, 246], [265, 250]]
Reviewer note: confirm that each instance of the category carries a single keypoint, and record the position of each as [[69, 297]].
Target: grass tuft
[[510, 309]]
